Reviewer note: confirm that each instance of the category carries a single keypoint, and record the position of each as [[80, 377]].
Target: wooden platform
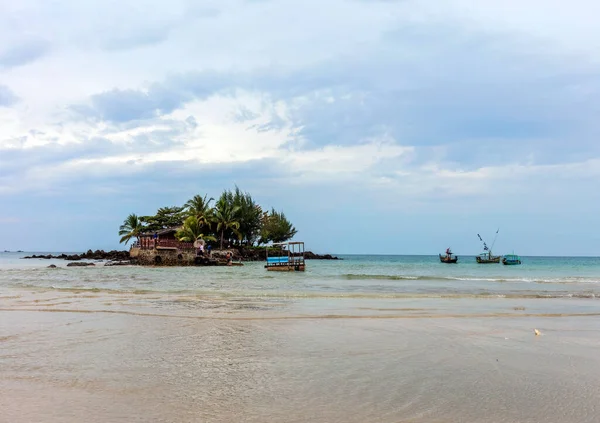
[[285, 268]]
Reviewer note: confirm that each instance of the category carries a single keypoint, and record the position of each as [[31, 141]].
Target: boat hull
[[511, 262], [491, 260], [448, 260]]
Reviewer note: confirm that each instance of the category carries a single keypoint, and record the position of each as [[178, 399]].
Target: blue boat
[[511, 260]]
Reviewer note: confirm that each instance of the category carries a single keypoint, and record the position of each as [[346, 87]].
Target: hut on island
[[162, 248]]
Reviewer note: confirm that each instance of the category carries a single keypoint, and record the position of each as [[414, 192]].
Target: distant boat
[[487, 257], [511, 260], [448, 257]]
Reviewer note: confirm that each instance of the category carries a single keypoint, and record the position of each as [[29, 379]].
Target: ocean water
[[366, 338], [385, 276]]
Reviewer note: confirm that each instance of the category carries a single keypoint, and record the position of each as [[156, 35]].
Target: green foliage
[[200, 207], [235, 217], [165, 217], [226, 216], [276, 228], [131, 228], [192, 230], [249, 215]]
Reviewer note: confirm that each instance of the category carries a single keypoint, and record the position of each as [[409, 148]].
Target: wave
[[563, 280], [193, 295]]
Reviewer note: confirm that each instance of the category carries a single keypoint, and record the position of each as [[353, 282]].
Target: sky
[[382, 127]]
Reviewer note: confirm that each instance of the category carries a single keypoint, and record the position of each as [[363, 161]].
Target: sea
[[361, 339]]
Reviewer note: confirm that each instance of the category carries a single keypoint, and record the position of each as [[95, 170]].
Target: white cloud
[[338, 90]]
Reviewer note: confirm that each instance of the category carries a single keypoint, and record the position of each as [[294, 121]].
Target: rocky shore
[[122, 257], [260, 254], [113, 255]]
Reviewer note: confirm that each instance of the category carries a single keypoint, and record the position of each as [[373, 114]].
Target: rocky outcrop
[[260, 254], [52, 266], [171, 258], [113, 255], [80, 264], [309, 255], [118, 263]]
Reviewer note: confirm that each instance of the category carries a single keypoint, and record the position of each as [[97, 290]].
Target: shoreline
[[122, 257]]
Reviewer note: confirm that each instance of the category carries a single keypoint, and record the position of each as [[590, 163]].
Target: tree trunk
[[222, 235]]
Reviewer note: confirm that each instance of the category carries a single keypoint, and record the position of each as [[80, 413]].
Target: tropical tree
[[165, 217], [226, 217], [132, 227], [249, 216], [200, 207], [191, 231], [235, 216], [276, 228]]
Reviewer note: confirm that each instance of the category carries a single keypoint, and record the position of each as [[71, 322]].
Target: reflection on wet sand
[[186, 306], [108, 356]]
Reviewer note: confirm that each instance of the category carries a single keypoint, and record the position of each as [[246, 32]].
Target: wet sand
[[72, 356]]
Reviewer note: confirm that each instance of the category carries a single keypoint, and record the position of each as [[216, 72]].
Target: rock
[[52, 266], [118, 263], [80, 264], [205, 261], [309, 255], [90, 255], [259, 254]]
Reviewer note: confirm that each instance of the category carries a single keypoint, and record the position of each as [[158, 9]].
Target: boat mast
[[494, 241]]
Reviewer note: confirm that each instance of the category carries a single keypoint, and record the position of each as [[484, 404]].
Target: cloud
[[160, 98], [22, 54], [7, 97], [126, 105], [377, 107]]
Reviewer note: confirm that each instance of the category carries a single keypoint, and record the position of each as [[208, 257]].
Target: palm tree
[[226, 218], [132, 227], [191, 231], [249, 215], [200, 207]]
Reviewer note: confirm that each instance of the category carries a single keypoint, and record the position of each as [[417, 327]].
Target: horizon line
[[333, 254]]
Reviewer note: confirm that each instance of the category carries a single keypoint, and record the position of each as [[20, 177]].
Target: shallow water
[[386, 339]]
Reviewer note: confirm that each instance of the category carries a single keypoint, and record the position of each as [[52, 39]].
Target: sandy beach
[[76, 355], [366, 339]]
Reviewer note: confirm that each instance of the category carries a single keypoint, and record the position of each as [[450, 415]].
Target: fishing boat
[[448, 257], [487, 257], [289, 258], [511, 260]]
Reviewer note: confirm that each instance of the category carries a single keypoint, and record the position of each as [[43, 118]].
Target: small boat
[[448, 257], [511, 260], [487, 257]]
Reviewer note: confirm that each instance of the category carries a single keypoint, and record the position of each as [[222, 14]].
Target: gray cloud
[[7, 97], [147, 37], [23, 54], [127, 105], [122, 106], [126, 35], [481, 113]]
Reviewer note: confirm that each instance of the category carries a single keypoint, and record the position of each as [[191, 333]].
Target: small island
[[198, 233], [235, 228]]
